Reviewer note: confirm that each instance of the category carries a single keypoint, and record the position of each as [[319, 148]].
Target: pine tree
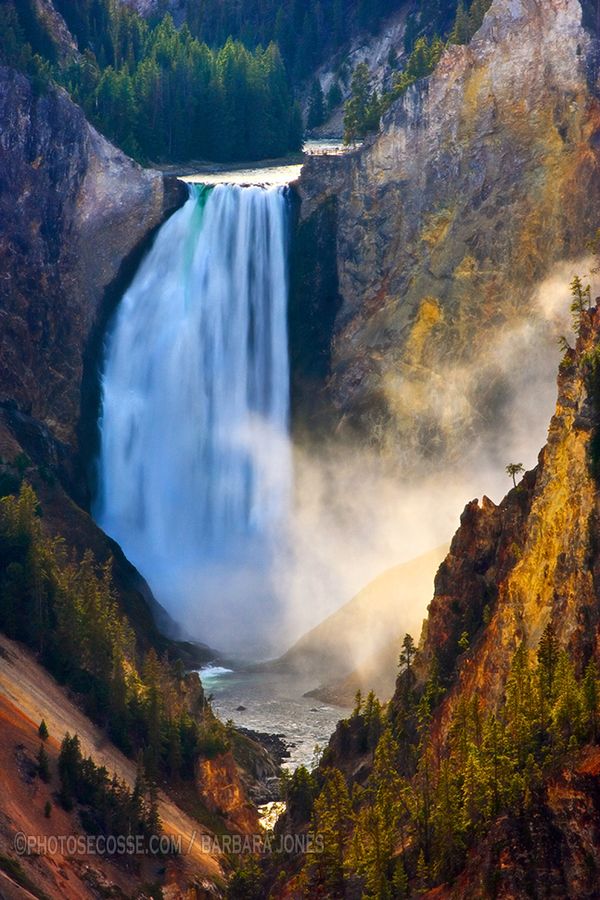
[[43, 731], [567, 726], [495, 765], [407, 653], [139, 811], [376, 833], [461, 32], [154, 824], [477, 13], [590, 698], [448, 835], [69, 762], [372, 720], [300, 791], [581, 298], [332, 820], [153, 712], [547, 656], [334, 97], [296, 128], [520, 705], [473, 797], [362, 110], [43, 764], [514, 469]]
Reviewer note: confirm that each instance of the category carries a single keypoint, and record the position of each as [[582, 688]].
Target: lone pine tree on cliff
[[514, 469]]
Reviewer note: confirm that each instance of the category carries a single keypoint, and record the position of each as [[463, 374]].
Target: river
[[274, 703], [279, 174]]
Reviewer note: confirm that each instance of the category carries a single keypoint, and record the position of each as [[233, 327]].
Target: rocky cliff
[[531, 560], [513, 569], [518, 586], [483, 176], [76, 214]]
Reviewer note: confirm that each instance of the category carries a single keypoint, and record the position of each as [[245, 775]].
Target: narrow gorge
[[248, 603]]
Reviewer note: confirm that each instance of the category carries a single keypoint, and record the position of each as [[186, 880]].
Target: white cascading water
[[195, 465]]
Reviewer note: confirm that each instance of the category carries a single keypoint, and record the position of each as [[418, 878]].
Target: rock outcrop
[[483, 176], [221, 789]]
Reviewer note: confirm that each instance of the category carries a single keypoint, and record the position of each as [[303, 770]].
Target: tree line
[[411, 824], [308, 32], [425, 804], [107, 805], [157, 91]]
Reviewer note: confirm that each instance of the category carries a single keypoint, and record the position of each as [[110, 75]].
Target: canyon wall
[[75, 213], [532, 560], [430, 240]]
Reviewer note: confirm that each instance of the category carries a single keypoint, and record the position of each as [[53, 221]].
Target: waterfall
[[195, 468]]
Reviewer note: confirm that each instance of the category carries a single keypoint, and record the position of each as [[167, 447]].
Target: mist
[[357, 514], [248, 575]]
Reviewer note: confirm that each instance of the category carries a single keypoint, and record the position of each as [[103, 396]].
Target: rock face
[[533, 559], [76, 215], [74, 210], [483, 176], [220, 788]]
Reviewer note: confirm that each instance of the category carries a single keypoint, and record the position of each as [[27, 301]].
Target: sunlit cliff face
[[540, 549], [456, 233]]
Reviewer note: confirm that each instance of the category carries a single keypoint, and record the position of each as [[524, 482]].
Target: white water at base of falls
[[195, 461]]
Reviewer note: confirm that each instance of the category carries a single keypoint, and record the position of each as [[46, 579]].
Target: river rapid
[[275, 704]]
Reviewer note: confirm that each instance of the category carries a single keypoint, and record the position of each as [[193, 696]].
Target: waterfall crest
[[195, 470]]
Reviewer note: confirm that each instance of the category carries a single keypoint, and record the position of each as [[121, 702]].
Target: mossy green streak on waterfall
[[200, 193]]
